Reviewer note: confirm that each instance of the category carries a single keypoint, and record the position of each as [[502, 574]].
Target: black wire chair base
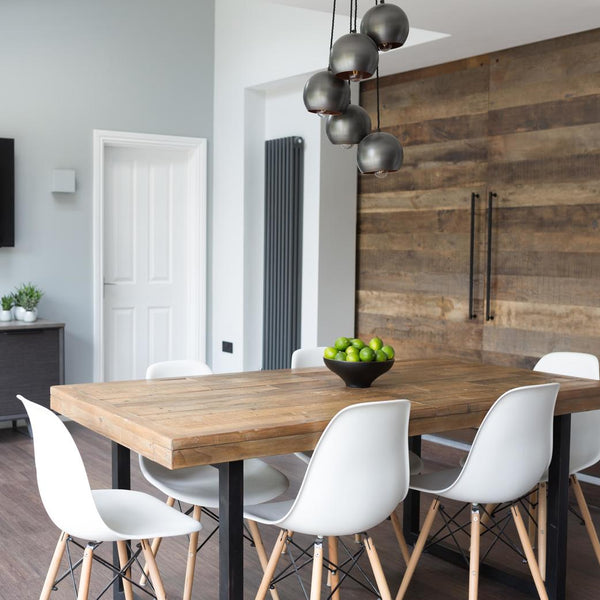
[[493, 524], [117, 571], [345, 568]]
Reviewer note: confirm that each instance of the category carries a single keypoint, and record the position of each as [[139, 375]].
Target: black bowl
[[358, 374]]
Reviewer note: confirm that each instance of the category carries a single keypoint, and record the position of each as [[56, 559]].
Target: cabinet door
[[414, 226], [544, 165], [30, 362]]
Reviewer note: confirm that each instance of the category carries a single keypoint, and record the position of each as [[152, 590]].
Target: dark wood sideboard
[[31, 360]]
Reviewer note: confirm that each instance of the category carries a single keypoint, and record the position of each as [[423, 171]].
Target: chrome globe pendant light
[[354, 56], [379, 153], [386, 24], [324, 93], [350, 128]]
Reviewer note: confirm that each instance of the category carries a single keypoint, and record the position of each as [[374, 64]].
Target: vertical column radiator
[[284, 172]]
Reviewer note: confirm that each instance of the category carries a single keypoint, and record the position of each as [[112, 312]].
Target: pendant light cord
[[378, 113], [332, 26], [355, 13], [351, 10]]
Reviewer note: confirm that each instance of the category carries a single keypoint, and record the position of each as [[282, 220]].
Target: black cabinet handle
[[474, 197], [488, 294]]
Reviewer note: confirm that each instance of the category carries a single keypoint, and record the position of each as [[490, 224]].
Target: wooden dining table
[[223, 419]]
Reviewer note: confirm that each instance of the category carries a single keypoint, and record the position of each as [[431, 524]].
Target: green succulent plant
[[27, 296], [7, 302]]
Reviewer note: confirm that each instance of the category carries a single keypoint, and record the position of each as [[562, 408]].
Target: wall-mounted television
[[7, 192]]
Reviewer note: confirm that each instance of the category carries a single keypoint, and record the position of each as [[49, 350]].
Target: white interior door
[[148, 303]]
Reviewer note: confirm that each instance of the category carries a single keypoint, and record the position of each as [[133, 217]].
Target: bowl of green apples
[[357, 363]]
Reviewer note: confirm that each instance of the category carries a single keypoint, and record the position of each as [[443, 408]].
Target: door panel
[[146, 291], [414, 225], [544, 164]]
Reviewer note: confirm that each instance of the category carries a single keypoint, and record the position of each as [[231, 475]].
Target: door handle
[[474, 197], [488, 295]]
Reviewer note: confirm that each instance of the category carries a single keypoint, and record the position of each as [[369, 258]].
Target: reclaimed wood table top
[[218, 418]]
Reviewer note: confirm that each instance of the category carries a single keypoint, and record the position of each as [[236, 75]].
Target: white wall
[[258, 96], [286, 116], [67, 67]]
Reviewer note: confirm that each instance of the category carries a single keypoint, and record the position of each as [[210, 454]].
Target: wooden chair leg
[[486, 516], [191, 557], [382, 584], [474, 553], [260, 550], [272, 565], [86, 572], [333, 576], [531, 526], [159, 589], [54, 566], [155, 546], [587, 517], [400, 537], [418, 549], [533, 566], [123, 559], [317, 570], [542, 518]]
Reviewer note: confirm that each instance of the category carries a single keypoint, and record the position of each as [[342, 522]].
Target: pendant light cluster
[[355, 57]]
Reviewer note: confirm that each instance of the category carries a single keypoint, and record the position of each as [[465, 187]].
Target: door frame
[[196, 231]]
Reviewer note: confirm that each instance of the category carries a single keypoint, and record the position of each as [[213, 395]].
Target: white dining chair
[[303, 358], [510, 452], [584, 448], [348, 487], [313, 357], [199, 485], [94, 515]]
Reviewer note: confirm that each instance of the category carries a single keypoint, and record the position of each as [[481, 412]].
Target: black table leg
[[558, 505], [412, 503], [121, 479], [231, 529]]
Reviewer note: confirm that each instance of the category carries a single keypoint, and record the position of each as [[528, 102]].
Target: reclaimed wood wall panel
[[524, 123], [414, 225], [544, 164]]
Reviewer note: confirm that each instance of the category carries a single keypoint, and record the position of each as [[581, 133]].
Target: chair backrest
[[585, 427], [308, 357], [62, 480], [358, 473], [177, 368], [512, 448]]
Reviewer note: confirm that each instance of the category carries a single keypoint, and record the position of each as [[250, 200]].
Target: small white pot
[[30, 316], [6, 315], [19, 312]]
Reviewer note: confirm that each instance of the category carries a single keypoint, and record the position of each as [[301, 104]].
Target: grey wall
[[68, 67]]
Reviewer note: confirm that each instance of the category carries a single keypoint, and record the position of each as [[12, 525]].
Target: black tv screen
[[7, 192]]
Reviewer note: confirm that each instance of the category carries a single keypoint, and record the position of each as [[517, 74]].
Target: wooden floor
[[28, 538]]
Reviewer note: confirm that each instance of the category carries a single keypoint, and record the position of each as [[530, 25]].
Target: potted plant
[[7, 304], [18, 299], [30, 297]]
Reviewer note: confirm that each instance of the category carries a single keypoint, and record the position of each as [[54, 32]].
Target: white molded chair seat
[[348, 487], [133, 515], [93, 515], [199, 485], [510, 452], [303, 358], [584, 448], [585, 426]]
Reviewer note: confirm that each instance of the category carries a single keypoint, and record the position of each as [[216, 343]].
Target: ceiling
[[472, 27]]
